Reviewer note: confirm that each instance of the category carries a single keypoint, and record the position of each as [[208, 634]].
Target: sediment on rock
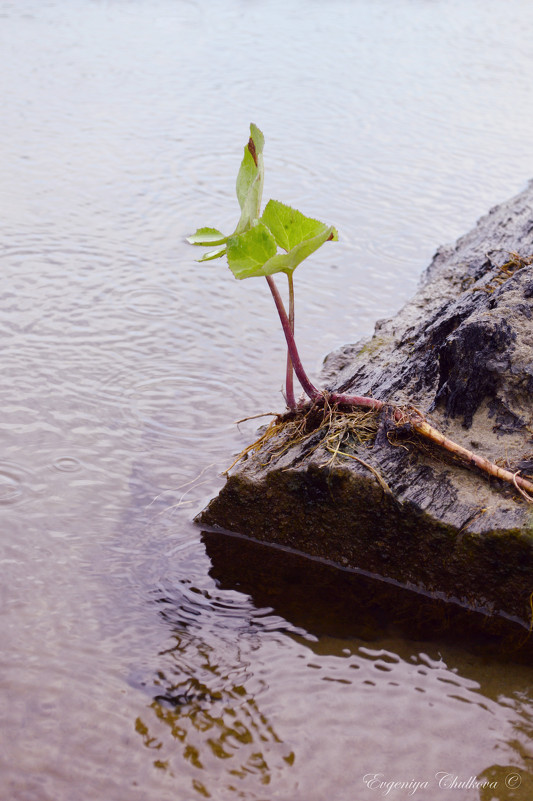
[[462, 352]]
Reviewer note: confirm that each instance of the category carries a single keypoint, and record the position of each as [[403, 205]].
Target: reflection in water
[[377, 671], [506, 783], [207, 702], [323, 599]]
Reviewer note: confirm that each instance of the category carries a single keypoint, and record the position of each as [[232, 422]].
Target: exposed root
[[332, 427], [256, 417], [274, 428], [325, 422], [381, 481], [421, 426], [522, 492], [192, 485]]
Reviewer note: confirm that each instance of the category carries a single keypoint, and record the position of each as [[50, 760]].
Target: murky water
[[141, 659]]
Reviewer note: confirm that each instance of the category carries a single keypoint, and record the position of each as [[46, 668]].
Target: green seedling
[[262, 245], [277, 241]]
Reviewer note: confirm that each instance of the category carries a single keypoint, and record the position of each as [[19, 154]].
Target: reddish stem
[[355, 400], [289, 384], [310, 390]]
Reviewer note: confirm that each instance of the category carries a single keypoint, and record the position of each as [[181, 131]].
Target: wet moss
[[375, 344]]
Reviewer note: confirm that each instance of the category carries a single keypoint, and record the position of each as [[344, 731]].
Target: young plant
[[262, 245], [277, 241]]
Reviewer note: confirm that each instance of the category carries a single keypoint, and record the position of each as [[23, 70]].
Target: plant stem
[[311, 391], [289, 385]]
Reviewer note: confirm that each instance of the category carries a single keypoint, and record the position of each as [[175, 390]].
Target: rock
[[461, 351]]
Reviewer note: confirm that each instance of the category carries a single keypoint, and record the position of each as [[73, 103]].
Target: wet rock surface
[[461, 351]]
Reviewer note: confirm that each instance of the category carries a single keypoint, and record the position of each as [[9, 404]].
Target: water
[[140, 659]]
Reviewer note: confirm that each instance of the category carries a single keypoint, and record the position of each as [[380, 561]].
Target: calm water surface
[[140, 658]]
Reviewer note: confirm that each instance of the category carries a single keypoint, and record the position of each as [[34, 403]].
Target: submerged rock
[[461, 351]]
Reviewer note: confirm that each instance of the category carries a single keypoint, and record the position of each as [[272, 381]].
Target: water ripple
[[11, 484], [152, 301], [67, 464], [17, 483]]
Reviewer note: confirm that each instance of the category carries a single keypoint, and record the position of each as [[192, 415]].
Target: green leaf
[[297, 254], [254, 252], [288, 262], [299, 235], [207, 237], [289, 226], [249, 251], [250, 180], [213, 254]]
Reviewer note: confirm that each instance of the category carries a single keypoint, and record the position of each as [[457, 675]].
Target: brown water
[[139, 662]]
